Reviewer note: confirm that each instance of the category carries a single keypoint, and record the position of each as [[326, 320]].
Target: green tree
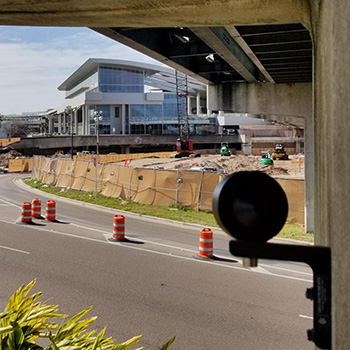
[[43, 126], [25, 320]]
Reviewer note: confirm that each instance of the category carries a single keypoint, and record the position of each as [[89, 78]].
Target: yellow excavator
[[279, 152]]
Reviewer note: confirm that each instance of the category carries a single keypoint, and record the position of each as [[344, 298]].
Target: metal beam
[[220, 40], [148, 45]]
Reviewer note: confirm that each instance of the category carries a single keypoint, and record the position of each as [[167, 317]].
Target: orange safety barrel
[[36, 208], [26, 215], [118, 227], [50, 210], [206, 243]]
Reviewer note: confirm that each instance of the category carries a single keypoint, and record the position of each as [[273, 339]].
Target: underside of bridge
[[258, 43], [280, 53]]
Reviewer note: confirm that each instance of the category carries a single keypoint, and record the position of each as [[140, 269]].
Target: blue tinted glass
[[117, 80]]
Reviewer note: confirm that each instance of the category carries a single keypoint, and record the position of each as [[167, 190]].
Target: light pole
[[97, 117], [69, 112]]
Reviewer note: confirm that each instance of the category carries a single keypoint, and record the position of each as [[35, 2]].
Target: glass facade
[[120, 80], [153, 117], [104, 125]]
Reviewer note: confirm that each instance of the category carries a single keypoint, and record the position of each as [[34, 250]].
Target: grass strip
[[171, 212]]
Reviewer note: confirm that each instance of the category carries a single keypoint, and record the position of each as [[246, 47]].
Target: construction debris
[[293, 168]]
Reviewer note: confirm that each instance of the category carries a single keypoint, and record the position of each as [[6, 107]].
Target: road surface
[[152, 285]]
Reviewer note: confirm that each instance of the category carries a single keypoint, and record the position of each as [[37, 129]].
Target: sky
[[34, 61]]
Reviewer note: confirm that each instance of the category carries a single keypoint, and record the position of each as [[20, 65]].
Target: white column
[[189, 107], [59, 124], [198, 104]]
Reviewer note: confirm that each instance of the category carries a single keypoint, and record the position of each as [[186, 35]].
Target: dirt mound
[[5, 157], [281, 168]]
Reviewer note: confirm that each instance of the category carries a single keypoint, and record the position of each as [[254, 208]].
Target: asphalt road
[[152, 285]]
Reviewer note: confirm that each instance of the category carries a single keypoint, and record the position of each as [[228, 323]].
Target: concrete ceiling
[[243, 40], [261, 53]]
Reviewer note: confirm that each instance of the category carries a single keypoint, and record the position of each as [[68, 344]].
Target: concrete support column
[[309, 166], [59, 124], [198, 104], [64, 128], [125, 149], [189, 107], [332, 161], [76, 122], [123, 119], [86, 123], [51, 125], [211, 99]]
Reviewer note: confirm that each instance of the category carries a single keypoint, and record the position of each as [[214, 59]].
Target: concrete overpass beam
[[293, 100]]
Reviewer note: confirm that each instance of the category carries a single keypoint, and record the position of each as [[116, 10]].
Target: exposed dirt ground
[[292, 168]]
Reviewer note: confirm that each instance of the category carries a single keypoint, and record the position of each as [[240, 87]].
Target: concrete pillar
[[309, 169], [75, 114], [125, 149], [51, 125], [198, 104], [123, 119], [212, 101], [332, 161], [189, 107], [59, 124]]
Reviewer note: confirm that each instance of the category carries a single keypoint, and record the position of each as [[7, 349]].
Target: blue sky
[[34, 61]]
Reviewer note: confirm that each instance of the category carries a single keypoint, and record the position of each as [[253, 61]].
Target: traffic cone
[[118, 228], [206, 243], [50, 211], [36, 208], [26, 215]]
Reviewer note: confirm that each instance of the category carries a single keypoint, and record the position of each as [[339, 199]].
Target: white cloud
[[31, 70]]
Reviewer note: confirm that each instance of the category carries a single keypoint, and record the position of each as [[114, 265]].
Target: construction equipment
[[225, 151], [266, 158], [279, 152]]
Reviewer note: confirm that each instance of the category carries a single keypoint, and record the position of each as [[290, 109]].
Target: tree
[[26, 320], [16, 129], [43, 127]]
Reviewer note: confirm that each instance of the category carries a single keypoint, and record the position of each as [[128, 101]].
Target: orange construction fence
[[149, 186]]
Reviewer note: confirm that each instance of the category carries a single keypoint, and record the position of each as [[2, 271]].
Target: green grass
[[171, 212]]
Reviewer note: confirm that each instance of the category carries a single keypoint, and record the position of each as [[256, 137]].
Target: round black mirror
[[250, 206]]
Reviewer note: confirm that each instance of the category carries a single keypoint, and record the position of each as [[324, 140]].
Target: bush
[[24, 321]]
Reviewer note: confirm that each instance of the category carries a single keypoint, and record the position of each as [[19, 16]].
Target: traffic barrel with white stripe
[[50, 211], [26, 215], [118, 227], [206, 243], [36, 208]]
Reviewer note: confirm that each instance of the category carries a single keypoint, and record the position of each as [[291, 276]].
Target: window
[[117, 112], [118, 80]]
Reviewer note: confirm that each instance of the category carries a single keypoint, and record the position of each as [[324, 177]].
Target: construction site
[[291, 168]]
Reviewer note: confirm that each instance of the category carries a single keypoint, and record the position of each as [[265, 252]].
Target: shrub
[[25, 320]]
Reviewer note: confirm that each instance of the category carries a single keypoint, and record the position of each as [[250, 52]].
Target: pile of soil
[[4, 157], [292, 168]]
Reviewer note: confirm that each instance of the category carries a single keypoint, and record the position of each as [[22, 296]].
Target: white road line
[[288, 270], [13, 249], [307, 317], [195, 251], [9, 203], [165, 254]]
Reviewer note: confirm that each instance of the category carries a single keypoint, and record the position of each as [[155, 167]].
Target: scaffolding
[[182, 92]]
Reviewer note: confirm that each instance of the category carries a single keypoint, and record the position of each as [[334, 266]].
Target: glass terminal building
[[132, 98]]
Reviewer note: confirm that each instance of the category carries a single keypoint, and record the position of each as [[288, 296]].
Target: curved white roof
[[156, 76]]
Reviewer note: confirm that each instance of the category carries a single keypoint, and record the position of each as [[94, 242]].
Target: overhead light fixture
[[182, 38], [210, 58]]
